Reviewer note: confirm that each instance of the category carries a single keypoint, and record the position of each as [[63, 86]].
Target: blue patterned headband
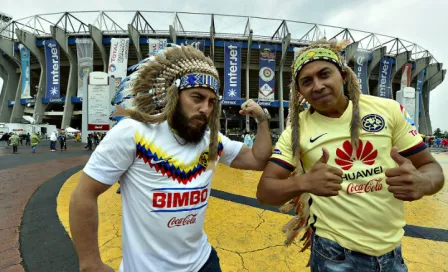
[[189, 81]]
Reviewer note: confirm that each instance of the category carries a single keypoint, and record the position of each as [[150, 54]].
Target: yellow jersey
[[364, 217]]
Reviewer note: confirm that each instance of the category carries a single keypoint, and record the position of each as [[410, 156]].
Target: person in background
[[27, 142], [248, 139], [63, 142], [53, 139], [14, 142], [34, 139]]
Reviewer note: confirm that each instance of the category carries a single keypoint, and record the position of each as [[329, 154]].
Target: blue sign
[[384, 78], [25, 63], [47, 100], [198, 44], [267, 72], [420, 80], [76, 99], [232, 71], [262, 103], [52, 61], [361, 65], [27, 101]]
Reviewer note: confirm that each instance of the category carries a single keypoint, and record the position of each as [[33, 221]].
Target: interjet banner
[[384, 78], [419, 89], [361, 65], [118, 59], [232, 71], [406, 76], [84, 48], [52, 61], [156, 44], [25, 62], [267, 72]]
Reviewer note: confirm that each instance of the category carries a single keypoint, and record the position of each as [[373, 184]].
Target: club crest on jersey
[[203, 159], [373, 123]]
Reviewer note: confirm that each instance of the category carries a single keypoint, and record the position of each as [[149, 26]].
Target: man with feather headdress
[[164, 153]]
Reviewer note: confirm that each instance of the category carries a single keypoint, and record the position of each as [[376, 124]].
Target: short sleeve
[[405, 135], [230, 150], [114, 154], [282, 154]]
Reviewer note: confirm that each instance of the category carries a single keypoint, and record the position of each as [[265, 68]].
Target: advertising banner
[[198, 44], [361, 65], [118, 59], [267, 72], [84, 49], [52, 62], [384, 78], [26, 79], [420, 79], [156, 44], [406, 76], [232, 70], [98, 102]]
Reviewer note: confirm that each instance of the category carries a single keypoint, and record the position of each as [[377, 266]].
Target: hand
[[405, 181], [323, 179], [102, 267], [252, 109]]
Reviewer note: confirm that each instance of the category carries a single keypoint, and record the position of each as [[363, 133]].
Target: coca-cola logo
[[179, 222], [373, 185], [364, 153]]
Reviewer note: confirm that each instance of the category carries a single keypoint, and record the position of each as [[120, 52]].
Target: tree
[[438, 133]]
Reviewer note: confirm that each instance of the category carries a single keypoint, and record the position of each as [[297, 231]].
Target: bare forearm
[[434, 173], [84, 229], [262, 148], [276, 192]]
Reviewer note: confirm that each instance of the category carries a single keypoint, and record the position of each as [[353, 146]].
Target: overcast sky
[[420, 21]]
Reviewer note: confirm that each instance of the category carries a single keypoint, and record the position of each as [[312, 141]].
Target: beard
[[181, 123]]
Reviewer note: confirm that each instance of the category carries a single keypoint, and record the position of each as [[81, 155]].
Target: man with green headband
[[357, 158]]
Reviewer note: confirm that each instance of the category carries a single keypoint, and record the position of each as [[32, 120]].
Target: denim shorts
[[329, 256]]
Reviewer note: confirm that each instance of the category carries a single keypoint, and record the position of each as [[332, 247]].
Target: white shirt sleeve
[[230, 150], [114, 155]]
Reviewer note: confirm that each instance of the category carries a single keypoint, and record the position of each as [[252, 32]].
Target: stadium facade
[[42, 66]]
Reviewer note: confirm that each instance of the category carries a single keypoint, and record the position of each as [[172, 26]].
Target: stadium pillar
[[29, 41], [249, 48], [135, 38], [400, 60], [432, 70], [424, 119], [420, 64], [350, 51], [377, 55], [61, 38], [7, 46], [97, 37], [9, 90], [281, 111], [212, 38], [173, 34]]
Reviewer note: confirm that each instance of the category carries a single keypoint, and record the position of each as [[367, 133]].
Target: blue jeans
[[212, 264], [329, 256], [33, 148]]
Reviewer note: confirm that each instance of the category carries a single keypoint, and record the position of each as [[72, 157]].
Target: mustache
[[199, 117]]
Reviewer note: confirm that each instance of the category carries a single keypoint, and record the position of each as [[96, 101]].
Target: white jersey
[[164, 190]]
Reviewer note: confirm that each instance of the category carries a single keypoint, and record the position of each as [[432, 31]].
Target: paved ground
[[247, 235], [20, 176]]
